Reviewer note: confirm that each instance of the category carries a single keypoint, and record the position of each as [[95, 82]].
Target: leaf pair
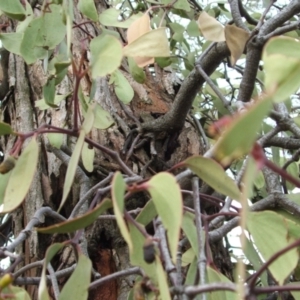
[[236, 38]]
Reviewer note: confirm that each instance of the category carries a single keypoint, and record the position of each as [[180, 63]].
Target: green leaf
[[17, 292], [147, 214], [182, 4], [123, 89], [29, 17], [72, 166], [255, 260], [137, 254], [214, 175], [21, 177], [79, 222], [42, 105], [13, 9], [282, 67], [88, 120], [117, 192], [162, 280], [5, 129], [137, 73], [51, 251], [192, 272], [110, 17], [213, 276], [292, 169], [49, 92], [147, 45], [103, 119], [239, 137], [106, 55], [88, 8], [3, 183], [166, 195], [269, 224], [189, 228], [87, 156], [12, 42], [77, 285], [56, 139], [193, 29], [43, 33]]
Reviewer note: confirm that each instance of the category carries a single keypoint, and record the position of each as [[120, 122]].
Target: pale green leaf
[[214, 175], [162, 280], [137, 73], [123, 89], [3, 183], [29, 17], [190, 230], [117, 192], [106, 55], [87, 156], [151, 44], [282, 67], [72, 166], [49, 92], [111, 17], [166, 195], [43, 289], [273, 226], [137, 254], [239, 137], [17, 292], [103, 119], [147, 214], [77, 285], [88, 120], [13, 9], [182, 4], [21, 177], [12, 42], [5, 129], [293, 170], [88, 8], [79, 222], [42, 105], [212, 277], [56, 139], [192, 271]]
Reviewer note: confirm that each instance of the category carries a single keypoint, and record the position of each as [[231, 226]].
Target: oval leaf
[[123, 89], [88, 8], [211, 29], [106, 55], [240, 136], [151, 44], [21, 177], [87, 156], [273, 226], [166, 195], [214, 175]]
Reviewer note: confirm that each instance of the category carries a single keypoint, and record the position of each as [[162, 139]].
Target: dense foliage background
[[136, 135]]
